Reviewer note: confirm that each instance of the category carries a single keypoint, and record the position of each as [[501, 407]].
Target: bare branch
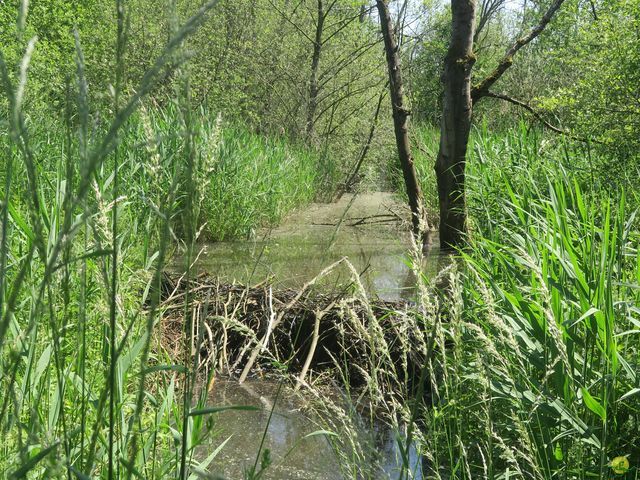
[[488, 8], [539, 117], [367, 145], [291, 22], [341, 25], [482, 89]]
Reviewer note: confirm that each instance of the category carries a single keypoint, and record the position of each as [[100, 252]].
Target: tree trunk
[[455, 125], [401, 123], [313, 79]]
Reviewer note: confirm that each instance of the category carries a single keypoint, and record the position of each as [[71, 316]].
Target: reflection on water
[[380, 255], [365, 228], [292, 254], [294, 456]]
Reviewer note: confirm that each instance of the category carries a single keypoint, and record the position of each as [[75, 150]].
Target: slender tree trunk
[[363, 13], [313, 79], [401, 123], [455, 124]]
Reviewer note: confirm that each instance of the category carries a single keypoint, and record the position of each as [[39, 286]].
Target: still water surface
[[293, 456], [295, 252], [367, 231]]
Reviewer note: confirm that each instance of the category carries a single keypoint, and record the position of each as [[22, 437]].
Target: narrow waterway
[[369, 229], [295, 448]]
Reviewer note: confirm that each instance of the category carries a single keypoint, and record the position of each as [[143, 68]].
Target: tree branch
[[538, 116], [291, 22], [367, 145], [488, 9], [482, 89]]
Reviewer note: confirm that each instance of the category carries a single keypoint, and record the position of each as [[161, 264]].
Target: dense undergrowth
[[92, 203], [531, 359], [57, 286], [541, 380]]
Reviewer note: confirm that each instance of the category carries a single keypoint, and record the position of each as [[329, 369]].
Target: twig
[[314, 343], [363, 220], [258, 348]]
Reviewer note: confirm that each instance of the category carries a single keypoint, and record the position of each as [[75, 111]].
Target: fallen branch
[[357, 221], [314, 344], [259, 347]]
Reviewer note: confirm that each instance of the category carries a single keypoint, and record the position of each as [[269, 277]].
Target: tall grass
[[535, 369], [91, 205], [530, 362], [540, 376], [250, 181]]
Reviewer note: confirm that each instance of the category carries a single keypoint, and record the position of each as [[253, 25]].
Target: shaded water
[[368, 229], [296, 452]]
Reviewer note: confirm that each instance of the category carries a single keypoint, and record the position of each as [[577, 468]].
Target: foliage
[[601, 98], [91, 205], [539, 377], [253, 182], [549, 292], [112, 156]]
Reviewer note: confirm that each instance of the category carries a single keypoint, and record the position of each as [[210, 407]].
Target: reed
[[533, 371], [525, 347], [86, 391]]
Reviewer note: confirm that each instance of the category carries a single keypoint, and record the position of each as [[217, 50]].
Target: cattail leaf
[[630, 393]]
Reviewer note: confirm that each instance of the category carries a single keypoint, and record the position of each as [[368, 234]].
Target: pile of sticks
[[240, 330]]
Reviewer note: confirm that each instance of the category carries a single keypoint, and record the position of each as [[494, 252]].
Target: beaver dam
[[327, 343], [327, 303], [244, 330]]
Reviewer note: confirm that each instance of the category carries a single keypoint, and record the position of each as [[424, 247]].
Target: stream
[[367, 229], [370, 231]]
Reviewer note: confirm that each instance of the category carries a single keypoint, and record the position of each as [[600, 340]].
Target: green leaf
[[199, 470], [32, 462], [630, 393], [557, 452], [21, 223], [87, 256], [593, 405]]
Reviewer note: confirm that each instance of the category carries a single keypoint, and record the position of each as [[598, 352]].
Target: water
[[293, 456], [309, 241], [378, 245]]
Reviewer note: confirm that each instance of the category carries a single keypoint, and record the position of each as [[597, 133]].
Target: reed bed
[[520, 360], [91, 206]]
